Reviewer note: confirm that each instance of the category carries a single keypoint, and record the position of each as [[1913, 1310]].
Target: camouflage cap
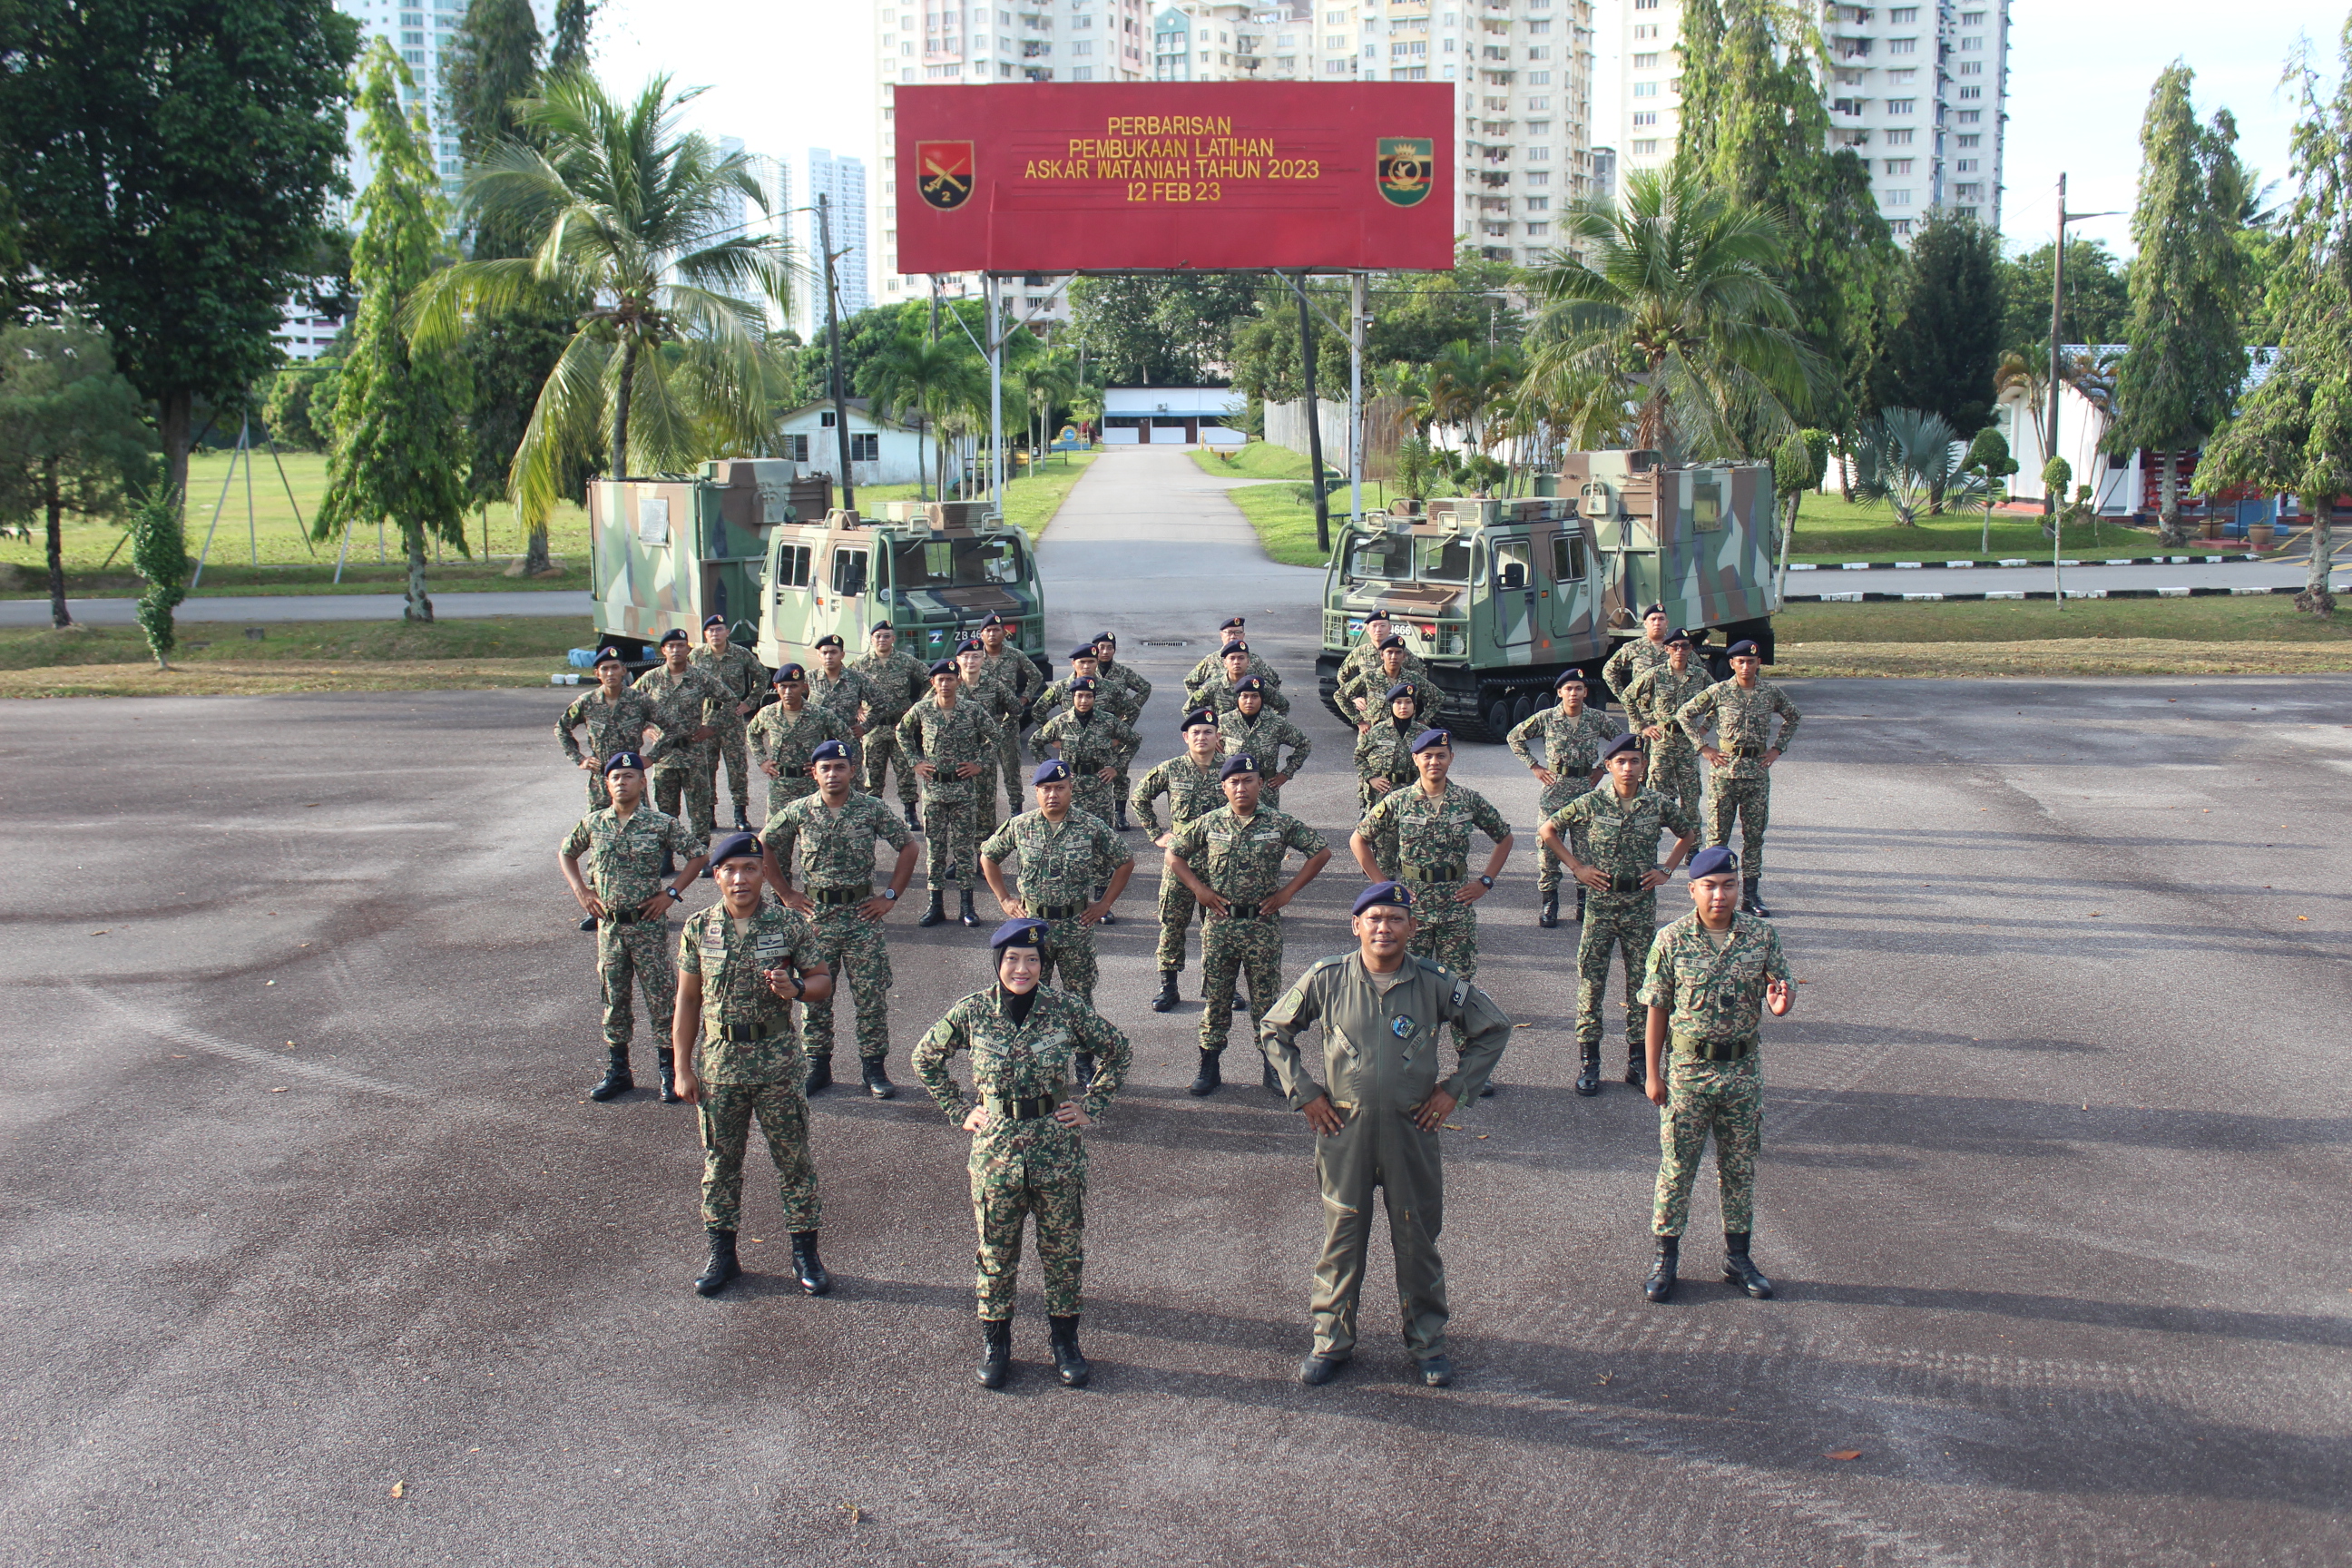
[[1571, 677], [1625, 741], [675, 634], [1396, 893], [1719, 861], [620, 760], [1239, 762], [1051, 770], [735, 846], [1198, 716], [1743, 648], [711, 621], [830, 640], [787, 672], [1429, 740], [1019, 933], [1249, 683], [830, 751], [1401, 690]]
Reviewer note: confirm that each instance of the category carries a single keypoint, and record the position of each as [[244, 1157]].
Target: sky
[[800, 73]]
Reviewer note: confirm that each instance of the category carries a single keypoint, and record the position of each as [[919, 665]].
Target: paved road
[[304, 1199]]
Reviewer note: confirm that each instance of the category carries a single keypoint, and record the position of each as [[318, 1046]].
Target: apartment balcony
[[1495, 177], [1032, 49]]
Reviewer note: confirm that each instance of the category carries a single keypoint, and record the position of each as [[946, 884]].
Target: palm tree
[[1908, 459], [932, 380], [1048, 381], [1672, 301], [623, 210]]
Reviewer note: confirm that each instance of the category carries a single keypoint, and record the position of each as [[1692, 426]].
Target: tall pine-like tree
[[1944, 344], [397, 448], [570, 52], [2186, 359]]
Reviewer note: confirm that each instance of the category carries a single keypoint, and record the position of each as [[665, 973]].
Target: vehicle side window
[[1514, 558], [1706, 504], [849, 572], [1566, 558], [792, 568]]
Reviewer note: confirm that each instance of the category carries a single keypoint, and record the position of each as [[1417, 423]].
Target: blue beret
[[1084, 683], [830, 751], [1401, 688], [971, 645], [1106, 638], [675, 634], [785, 672], [1249, 683], [1051, 770], [1233, 647], [946, 667], [1084, 650], [1719, 861], [610, 655], [1743, 648], [881, 626], [1388, 642], [711, 621], [1654, 610], [625, 760], [1683, 636], [1239, 762], [1019, 933], [1626, 742], [1232, 625], [994, 619], [734, 847], [1429, 739], [1384, 893], [1199, 716], [830, 640], [1568, 678]]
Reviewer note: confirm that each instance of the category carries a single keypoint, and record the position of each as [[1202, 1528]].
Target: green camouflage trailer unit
[[1498, 596]]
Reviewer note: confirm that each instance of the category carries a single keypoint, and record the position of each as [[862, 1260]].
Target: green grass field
[[2270, 618], [1031, 500], [312, 642], [1257, 460]]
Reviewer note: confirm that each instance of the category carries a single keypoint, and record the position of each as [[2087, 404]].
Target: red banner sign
[[1048, 177]]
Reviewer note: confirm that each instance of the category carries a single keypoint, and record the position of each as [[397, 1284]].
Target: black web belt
[[1057, 912], [1456, 872], [1239, 912], [1021, 1109], [744, 1034], [856, 895], [1714, 1050]]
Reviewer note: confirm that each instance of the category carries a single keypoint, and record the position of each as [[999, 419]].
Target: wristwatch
[[1487, 883], [676, 895], [891, 894]]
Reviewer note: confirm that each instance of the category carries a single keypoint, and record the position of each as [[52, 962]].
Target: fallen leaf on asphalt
[[856, 1514], [1842, 1454], [1482, 1134], [279, 1089], [400, 1488], [2303, 917], [1450, 1127], [101, 932], [179, 1055]]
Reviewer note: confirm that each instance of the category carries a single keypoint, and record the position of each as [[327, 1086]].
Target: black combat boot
[[616, 1080], [1436, 1371], [722, 1266], [1068, 1364], [1270, 1079], [1241, 1000], [669, 1060], [937, 914], [820, 1077], [814, 1280], [1124, 826], [1660, 1282], [1167, 1001], [1548, 909], [965, 913], [1109, 917], [1637, 1065], [1740, 1269], [995, 1351], [1588, 1074], [1319, 1369], [1751, 896], [1082, 1070], [878, 1077], [742, 822], [912, 821], [587, 922], [1205, 1082], [1579, 903]]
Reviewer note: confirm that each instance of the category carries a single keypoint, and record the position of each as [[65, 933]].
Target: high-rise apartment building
[[1918, 91], [841, 179]]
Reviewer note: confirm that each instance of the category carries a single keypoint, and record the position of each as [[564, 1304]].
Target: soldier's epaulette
[[1323, 964], [1461, 986]]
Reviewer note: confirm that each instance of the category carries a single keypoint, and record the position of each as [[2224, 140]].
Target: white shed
[[1173, 416], [881, 452]]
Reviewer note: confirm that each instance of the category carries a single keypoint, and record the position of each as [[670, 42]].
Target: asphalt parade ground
[[318, 1253]]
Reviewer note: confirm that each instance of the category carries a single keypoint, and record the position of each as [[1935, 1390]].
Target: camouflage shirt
[[1265, 739], [1017, 672], [1243, 860], [1089, 744], [1124, 691], [1571, 746], [899, 682], [947, 738], [739, 674], [1059, 865], [785, 738], [625, 853], [1364, 656], [1432, 831], [613, 726], [1027, 1060], [836, 847], [1711, 995], [1632, 657], [1621, 837], [1374, 688], [1191, 791], [1212, 668], [686, 702], [993, 692], [1218, 694], [845, 693], [1385, 751], [1743, 719], [1658, 694], [731, 962]]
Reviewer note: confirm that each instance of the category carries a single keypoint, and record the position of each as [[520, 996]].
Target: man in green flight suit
[[1189, 783], [1027, 1157], [1230, 861], [742, 964], [1072, 871], [745, 678], [836, 830], [1709, 972], [901, 682], [1740, 781], [1378, 1123], [1572, 735]]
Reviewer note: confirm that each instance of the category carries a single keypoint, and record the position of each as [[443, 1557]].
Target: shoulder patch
[[1323, 964]]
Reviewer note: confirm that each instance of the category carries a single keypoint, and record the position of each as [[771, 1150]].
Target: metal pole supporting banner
[[226, 480], [1355, 398], [993, 293], [833, 353]]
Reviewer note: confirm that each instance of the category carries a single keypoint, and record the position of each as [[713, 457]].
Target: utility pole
[[1314, 422], [992, 294], [1356, 320], [833, 352], [2057, 303]]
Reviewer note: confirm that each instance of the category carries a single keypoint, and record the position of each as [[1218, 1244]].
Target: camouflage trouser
[[1728, 1099], [948, 827], [782, 791], [882, 754], [598, 797], [1176, 906], [1123, 786], [1675, 773], [1020, 1169], [1070, 950], [1623, 921], [1232, 949], [642, 952], [860, 957], [1751, 801], [1384, 843], [1008, 763], [1548, 869], [694, 777], [1092, 795], [1445, 934], [729, 746], [727, 1111]]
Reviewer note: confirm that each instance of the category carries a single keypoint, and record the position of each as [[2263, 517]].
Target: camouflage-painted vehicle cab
[[1498, 596], [670, 551]]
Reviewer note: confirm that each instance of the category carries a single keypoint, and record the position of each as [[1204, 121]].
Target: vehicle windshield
[[1402, 558], [1443, 560], [954, 562]]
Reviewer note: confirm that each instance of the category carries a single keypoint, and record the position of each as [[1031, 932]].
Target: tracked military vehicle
[[755, 540], [1499, 596]]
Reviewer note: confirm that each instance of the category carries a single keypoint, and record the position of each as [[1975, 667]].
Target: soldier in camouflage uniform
[[836, 830], [1231, 860], [1189, 783], [1431, 824], [785, 735], [847, 692], [1265, 736], [989, 687], [1388, 670], [1027, 1158], [1609, 837], [689, 702], [1072, 871], [1634, 656], [739, 673], [1377, 1125], [1384, 763], [1125, 693], [617, 717], [1218, 691], [1229, 635], [742, 964], [1366, 655], [629, 842], [1740, 781], [1708, 972], [1055, 698], [1572, 735], [899, 683], [950, 743], [1091, 742], [1019, 675], [1657, 694]]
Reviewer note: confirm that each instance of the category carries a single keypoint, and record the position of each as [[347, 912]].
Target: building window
[[1537, 177], [1969, 45], [1645, 62], [1899, 138], [796, 448], [1645, 149], [1900, 14], [1898, 199], [1646, 117], [1902, 46], [1645, 89], [1969, 116], [1972, 68], [865, 447], [1902, 106], [1539, 78], [1902, 228], [1898, 166], [1966, 166], [1975, 140], [1538, 154]]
